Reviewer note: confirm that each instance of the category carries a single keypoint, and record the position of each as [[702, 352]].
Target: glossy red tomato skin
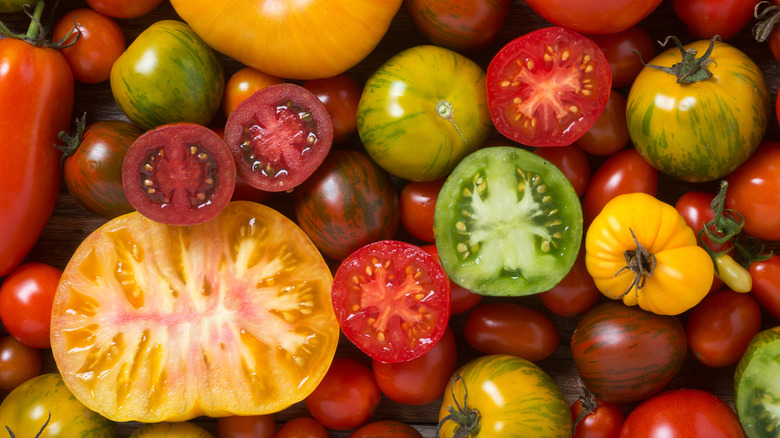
[[721, 326], [254, 426], [605, 421], [100, 43], [508, 328], [461, 25], [766, 284], [340, 94], [575, 293], [754, 191], [682, 413], [18, 363], [346, 397], [594, 18], [620, 47], [421, 380], [609, 134], [572, 161], [348, 202], [124, 8], [705, 19], [386, 429], [302, 427], [461, 299], [417, 203], [26, 298]]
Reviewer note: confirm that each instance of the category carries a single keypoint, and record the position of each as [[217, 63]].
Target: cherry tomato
[[346, 397], [594, 418], [340, 94], [610, 132], [302, 427], [572, 161], [26, 298], [253, 426], [100, 44], [417, 203], [18, 363], [124, 8], [754, 191], [386, 429], [696, 208], [244, 83], [575, 293], [707, 18], [620, 49], [766, 284], [461, 299]]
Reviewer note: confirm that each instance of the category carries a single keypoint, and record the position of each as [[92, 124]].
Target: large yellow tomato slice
[[154, 322]]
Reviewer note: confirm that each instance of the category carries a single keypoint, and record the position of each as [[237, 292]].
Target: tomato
[[547, 87], [766, 284], [463, 25], [168, 75], [705, 19], [245, 192], [422, 111], [695, 207], [625, 354], [26, 297], [507, 222], [302, 427], [594, 418], [575, 293], [623, 172], [279, 136], [680, 129], [420, 380], [171, 430], [41, 78], [682, 413], [244, 83], [495, 393], [124, 8], [609, 133], [25, 411], [252, 426], [461, 299], [721, 326], [348, 202], [93, 165], [100, 43], [392, 300], [572, 161], [621, 49], [756, 384], [18, 363], [417, 204], [179, 174], [386, 429], [514, 329], [754, 191], [584, 16], [341, 95], [244, 298], [322, 38], [347, 396], [639, 249]]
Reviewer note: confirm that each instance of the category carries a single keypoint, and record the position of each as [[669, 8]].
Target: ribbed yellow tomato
[[639, 249]]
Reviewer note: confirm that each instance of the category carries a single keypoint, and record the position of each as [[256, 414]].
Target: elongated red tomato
[[36, 101]]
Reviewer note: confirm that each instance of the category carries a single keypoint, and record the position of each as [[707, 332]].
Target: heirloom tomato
[[302, 427], [95, 47], [153, 322], [124, 8], [625, 354], [168, 74], [507, 222], [244, 83], [757, 385], [766, 284], [705, 18], [346, 203], [322, 38], [621, 51], [499, 396], [417, 204], [26, 412], [547, 87], [698, 118], [18, 363], [385, 429], [639, 249], [341, 95], [26, 297], [171, 430], [462, 25], [606, 17], [754, 191], [422, 111], [572, 161], [246, 426], [609, 132]]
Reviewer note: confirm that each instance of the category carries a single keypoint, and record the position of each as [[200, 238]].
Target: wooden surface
[[70, 223]]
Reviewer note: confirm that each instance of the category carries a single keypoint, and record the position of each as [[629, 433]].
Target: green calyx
[[467, 419], [71, 142], [691, 68]]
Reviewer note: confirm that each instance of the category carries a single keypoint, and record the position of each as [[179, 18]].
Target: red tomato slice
[[548, 87], [392, 300]]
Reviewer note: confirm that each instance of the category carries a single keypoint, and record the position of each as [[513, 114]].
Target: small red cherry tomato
[[417, 203], [26, 298], [100, 44], [340, 94], [572, 161]]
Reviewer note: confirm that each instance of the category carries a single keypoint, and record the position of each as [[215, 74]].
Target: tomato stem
[[589, 404], [72, 142], [445, 110], [767, 18], [641, 263], [467, 419], [690, 69]]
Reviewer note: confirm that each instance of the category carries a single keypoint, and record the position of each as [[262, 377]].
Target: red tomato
[[707, 18], [754, 191], [766, 284], [696, 208], [420, 380], [572, 161], [386, 429], [610, 132], [418, 201], [623, 172], [302, 427], [620, 49], [594, 418], [346, 397], [461, 299], [100, 44], [547, 87], [461, 25], [340, 94], [721, 326], [124, 8], [682, 413], [254, 426], [244, 83], [18, 363], [507, 328], [575, 293], [604, 17], [26, 298], [774, 43]]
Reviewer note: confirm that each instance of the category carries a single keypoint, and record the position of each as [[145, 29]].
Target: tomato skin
[[341, 95], [705, 19], [605, 421], [682, 413], [18, 363], [26, 297], [609, 134], [508, 328], [302, 427], [417, 204], [99, 44], [572, 161], [575, 293], [244, 83], [766, 283], [123, 8], [252, 426], [462, 25], [461, 299], [754, 191], [386, 429], [171, 430], [594, 18], [619, 49]]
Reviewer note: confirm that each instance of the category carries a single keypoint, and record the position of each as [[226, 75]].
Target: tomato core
[[189, 174]]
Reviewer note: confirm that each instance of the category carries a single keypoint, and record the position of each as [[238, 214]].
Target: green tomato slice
[[507, 222], [757, 385]]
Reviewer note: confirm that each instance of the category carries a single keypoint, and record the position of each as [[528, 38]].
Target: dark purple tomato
[[463, 25], [348, 202]]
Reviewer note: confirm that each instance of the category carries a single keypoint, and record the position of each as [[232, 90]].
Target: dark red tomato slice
[[392, 300], [547, 87], [279, 135], [179, 174]]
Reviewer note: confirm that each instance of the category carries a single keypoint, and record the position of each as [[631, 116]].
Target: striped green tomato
[[167, 75], [706, 125], [757, 385], [423, 111]]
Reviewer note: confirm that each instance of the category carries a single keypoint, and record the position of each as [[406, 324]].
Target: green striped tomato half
[[701, 130]]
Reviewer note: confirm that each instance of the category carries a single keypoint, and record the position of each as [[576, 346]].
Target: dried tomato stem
[[640, 262], [767, 18], [690, 69], [467, 419]]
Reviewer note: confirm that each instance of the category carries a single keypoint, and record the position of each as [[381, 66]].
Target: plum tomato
[[179, 174], [609, 134], [346, 397], [249, 426], [341, 95], [244, 83], [279, 136], [124, 8], [417, 204], [547, 87], [575, 293], [302, 427], [594, 418], [507, 222], [26, 297], [461, 299], [100, 42], [754, 191], [462, 25], [385, 429], [18, 363], [621, 51], [766, 283], [572, 161], [392, 300]]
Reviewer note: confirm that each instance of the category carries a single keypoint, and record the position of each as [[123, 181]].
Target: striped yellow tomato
[[703, 125]]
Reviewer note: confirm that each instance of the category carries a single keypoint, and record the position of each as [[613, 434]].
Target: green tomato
[[423, 111], [25, 411], [167, 75], [171, 430], [757, 385]]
